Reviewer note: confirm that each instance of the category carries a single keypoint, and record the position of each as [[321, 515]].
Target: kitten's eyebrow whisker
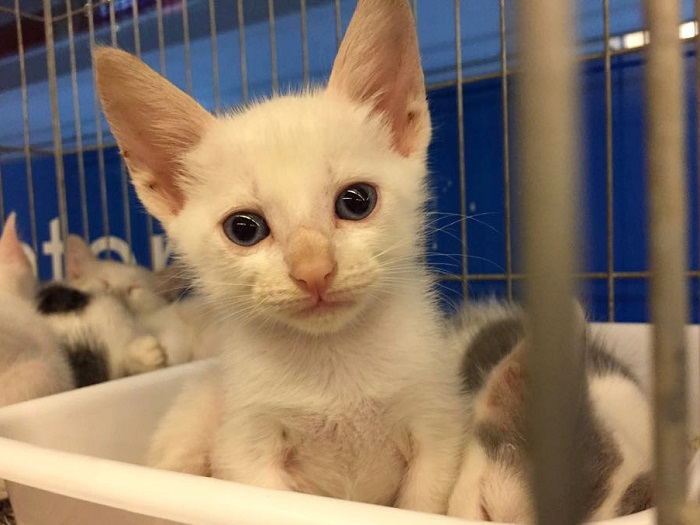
[[433, 229], [457, 214], [458, 257]]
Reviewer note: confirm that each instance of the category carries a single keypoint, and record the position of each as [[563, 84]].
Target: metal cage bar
[[21, 14], [99, 137], [242, 45], [304, 43], [186, 45], [2, 199], [122, 168], [78, 125], [548, 138], [506, 149], [694, 393], [214, 55], [25, 122], [461, 154], [274, 71], [55, 120], [137, 29], [112, 24], [81, 10], [338, 24], [668, 237], [127, 208], [610, 213], [161, 36], [161, 58]]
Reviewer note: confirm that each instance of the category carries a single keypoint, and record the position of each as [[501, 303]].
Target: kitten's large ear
[[154, 123], [79, 257], [379, 63], [11, 251]]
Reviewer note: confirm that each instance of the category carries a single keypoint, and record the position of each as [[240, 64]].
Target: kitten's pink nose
[[314, 275]]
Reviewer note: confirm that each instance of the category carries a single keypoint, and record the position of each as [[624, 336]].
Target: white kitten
[[31, 362], [303, 220], [614, 425]]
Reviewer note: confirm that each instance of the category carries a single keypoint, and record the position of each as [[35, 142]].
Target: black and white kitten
[[100, 335], [614, 425]]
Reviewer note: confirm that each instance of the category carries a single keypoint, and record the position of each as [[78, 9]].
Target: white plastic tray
[[74, 459]]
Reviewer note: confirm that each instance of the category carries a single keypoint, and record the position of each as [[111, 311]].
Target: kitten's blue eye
[[246, 228], [356, 202]]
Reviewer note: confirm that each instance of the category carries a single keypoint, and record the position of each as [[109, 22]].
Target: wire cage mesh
[[59, 161], [61, 171]]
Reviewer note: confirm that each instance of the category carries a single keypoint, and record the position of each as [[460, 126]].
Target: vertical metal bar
[[666, 190], [548, 138], [29, 173], [610, 215], [506, 150], [137, 29], [694, 394], [460, 137], [2, 199], [161, 36], [244, 63], [124, 173], [100, 142], [338, 24], [127, 214], [214, 54], [273, 47], [78, 125], [112, 24], [56, 121], [304, 42], [186, 44], [163, 71]]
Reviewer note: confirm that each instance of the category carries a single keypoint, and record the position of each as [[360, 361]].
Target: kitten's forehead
[[291, 153]]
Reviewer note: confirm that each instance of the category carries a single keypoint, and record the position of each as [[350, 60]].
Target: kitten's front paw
[[145, 354]]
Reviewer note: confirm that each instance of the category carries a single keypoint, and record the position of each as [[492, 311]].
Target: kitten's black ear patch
[[59, 299]]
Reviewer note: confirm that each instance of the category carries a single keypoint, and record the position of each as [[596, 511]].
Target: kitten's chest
[[356, 452]]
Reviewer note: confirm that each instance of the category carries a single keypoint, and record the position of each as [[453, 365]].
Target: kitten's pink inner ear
[[155, 125], [379, 63], [10, 246], [78, 257]]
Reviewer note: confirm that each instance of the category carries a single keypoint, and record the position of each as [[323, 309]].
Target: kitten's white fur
[[354, 398], [31, 362], [177, 326], [109, 326]]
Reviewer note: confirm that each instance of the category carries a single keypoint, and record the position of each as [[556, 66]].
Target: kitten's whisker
[[437, 228]]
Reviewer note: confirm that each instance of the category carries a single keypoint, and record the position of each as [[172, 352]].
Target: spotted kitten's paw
[[145, 354]]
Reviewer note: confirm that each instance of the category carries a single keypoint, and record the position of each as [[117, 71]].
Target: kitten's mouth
[[324, 306]]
